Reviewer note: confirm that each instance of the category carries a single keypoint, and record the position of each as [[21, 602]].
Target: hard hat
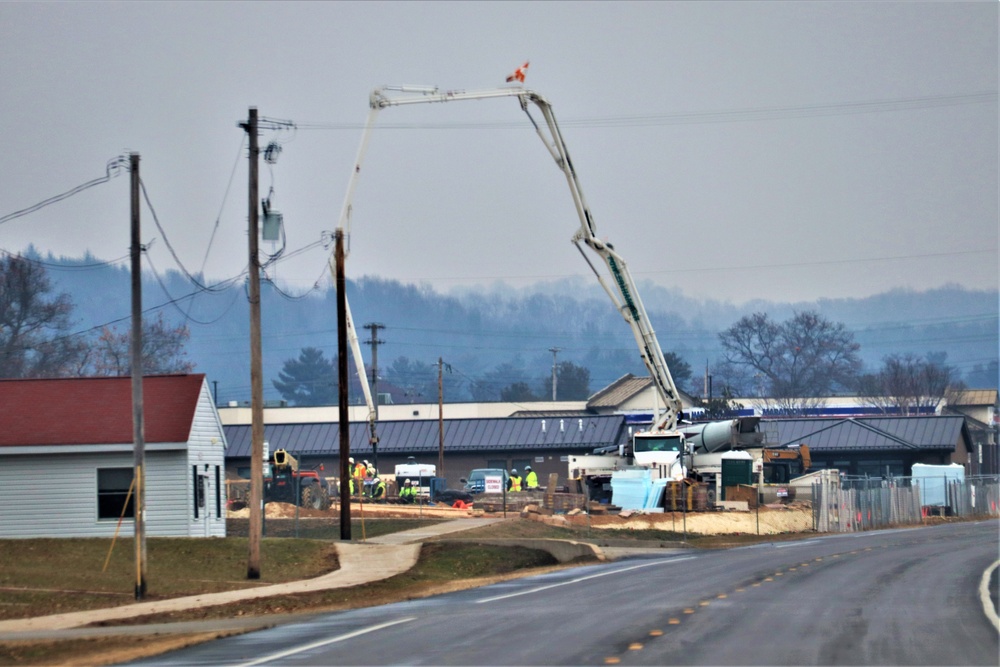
[[351, 460], [513, 471], [406, 482], [527, 467]]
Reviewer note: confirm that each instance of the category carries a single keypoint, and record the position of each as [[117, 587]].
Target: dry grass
[[50, 576]]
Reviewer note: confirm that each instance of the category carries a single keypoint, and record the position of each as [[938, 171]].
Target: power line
[[700, 117], [113, 168], [54, 266]]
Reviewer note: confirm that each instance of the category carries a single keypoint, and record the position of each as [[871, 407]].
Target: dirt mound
[[771, 521]]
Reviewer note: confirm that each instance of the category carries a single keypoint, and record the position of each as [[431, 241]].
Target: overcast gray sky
[[785, 150]]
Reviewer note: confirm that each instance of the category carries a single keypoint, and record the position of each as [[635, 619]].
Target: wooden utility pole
[[345, 417], [374, 342], [440, 468], [256, 371], [135, 354]]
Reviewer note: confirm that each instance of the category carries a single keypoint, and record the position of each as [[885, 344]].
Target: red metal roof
[[96, 411]]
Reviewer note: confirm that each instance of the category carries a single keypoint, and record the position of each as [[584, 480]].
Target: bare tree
[[908, 384], [35, 337], [794, 363], [162, 350]]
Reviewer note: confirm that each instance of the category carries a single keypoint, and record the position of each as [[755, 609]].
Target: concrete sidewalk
[[360, 563]]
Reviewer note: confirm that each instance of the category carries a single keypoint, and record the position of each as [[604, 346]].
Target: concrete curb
[[563, 551]]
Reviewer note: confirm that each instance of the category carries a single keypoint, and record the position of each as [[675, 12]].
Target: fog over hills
[[506, 334]]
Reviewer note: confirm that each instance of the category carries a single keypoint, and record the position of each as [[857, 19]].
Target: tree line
[[793, 362]]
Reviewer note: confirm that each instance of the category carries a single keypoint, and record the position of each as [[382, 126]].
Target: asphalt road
[[881, 598]]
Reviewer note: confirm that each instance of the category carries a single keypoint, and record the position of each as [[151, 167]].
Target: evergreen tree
[[309, 380]]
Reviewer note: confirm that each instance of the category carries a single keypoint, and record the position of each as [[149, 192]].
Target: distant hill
[[477, 330]]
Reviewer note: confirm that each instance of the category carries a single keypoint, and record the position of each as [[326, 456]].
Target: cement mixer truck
[[692, 451]]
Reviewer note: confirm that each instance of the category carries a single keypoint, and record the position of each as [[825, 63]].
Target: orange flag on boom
[[518, 74]]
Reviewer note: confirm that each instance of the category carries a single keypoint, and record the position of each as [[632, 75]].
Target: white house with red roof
[[67, 457]]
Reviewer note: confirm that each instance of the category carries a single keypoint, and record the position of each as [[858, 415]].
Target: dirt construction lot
[[770, 520]]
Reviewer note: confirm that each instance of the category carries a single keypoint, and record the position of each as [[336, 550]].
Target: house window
[[218, 494], [113, 486]]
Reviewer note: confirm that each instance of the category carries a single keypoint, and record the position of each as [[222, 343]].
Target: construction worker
[[378, 489], [514, 483], [407, 494], [530, 478], [359, 476]]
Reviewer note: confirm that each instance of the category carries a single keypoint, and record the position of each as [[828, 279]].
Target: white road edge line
[[579, 579], [789, 545], [339, 638], [984, 595]]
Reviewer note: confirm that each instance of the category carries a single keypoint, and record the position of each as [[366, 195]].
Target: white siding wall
[[207, 447], [56, 495]]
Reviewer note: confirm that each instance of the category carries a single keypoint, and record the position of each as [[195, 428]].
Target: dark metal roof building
[[414, 437], [872, 433]]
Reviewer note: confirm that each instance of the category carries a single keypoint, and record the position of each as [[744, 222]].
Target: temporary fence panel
[[857, 505]]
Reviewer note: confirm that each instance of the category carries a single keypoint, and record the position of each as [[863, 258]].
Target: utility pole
[[256, 370], [374, 342], [345, 417], [440, 468], [554, 351], [708, 383], [135, 354]]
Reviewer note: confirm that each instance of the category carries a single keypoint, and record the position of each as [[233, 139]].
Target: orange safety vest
[[515, 483]]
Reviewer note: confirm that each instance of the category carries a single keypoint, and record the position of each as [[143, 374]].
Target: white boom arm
[[621, 290], [359, 363]]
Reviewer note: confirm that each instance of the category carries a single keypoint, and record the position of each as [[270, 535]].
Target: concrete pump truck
[[668, 447]]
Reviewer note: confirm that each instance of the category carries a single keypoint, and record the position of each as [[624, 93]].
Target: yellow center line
[[612, 660], [635, 646], [674, 621], [656, 633]]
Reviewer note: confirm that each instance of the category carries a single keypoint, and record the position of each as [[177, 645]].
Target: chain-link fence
[[842, 505]]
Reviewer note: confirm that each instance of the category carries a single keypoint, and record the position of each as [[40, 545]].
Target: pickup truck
[[476, 483]]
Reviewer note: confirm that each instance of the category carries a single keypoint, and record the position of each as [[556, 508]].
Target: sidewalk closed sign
[[494, 484]]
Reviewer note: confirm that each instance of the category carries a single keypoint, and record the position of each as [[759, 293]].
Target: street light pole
[[554, 351]]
